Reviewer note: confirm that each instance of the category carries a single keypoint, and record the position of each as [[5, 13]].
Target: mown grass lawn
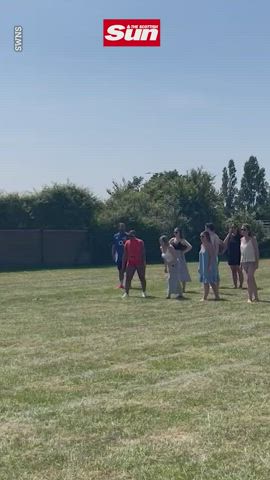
[[95, 387]]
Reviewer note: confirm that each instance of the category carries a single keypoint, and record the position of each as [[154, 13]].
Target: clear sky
[[72, 109]]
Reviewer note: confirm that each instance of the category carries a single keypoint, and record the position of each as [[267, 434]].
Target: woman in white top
[[170, 259], [250, 261]]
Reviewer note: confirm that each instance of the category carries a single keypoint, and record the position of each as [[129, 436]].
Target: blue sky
[[72, 109]]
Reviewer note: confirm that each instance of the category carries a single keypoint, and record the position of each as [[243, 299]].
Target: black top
[[233, 251], [179, 246]]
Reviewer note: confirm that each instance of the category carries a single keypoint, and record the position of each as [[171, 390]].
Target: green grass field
[[94, 387]]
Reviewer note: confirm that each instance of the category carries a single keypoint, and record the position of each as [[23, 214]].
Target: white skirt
[[182, 269]]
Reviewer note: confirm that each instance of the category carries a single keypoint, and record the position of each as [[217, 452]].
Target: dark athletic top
[[119, 240]]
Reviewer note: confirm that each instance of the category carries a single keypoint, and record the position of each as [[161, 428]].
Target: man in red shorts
[[134, 259]]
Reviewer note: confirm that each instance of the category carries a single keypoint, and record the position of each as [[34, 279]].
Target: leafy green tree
[[225, 185], [126, 186], [164, 210], [264, 210], [15, 210], [64, 206], [229, 188], [187, 201], [126, 203], [254, 191], [204, 202]]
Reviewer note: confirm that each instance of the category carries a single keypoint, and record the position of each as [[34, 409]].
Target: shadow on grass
[[229, 295], [227, 288], [222, 299], [148, 297], [233, 288]]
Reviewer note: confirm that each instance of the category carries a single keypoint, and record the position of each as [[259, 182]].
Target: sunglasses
[[243, 229]]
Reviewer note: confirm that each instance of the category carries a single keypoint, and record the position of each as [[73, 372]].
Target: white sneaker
[[125, 295], [143, 295]]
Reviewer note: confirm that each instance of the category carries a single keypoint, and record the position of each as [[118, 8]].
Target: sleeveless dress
[[206, 276], [233, 250], [173, 282], [247, 252], [182, 269]]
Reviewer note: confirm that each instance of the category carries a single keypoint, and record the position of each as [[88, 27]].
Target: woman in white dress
[[249, 261], [170, 260], [181, 246]]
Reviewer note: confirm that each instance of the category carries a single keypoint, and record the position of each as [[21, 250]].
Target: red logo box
[[131, 32]]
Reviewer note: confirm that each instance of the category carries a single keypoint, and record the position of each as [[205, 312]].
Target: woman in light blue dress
[[208, 269]]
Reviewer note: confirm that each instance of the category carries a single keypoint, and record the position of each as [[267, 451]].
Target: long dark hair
[[176, 230], [233, 225]]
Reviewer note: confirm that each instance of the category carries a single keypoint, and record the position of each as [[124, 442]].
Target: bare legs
[[251, 283], [237, 273], [130, 270], [215, 288], [241, 276], [206, 287], [141, 275], [121, 276]]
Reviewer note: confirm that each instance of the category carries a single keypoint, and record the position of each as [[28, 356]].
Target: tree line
[[151, 206]]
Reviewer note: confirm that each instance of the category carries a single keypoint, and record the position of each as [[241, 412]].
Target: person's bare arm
[[187, 245], [113, 252], [211, 256], [221, 245], [226, 241], [143, 254], [164, 260], [124, 259], [256, 250]]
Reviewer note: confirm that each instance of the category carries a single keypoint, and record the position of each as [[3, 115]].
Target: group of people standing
[[240, 245]]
